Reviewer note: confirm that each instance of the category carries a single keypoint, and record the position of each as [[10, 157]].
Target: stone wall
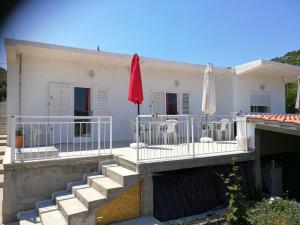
[[124, 207], [26, 183]]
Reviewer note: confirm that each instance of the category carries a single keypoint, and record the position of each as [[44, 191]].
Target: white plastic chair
[[223, 128], [170, 130], [205, 129]]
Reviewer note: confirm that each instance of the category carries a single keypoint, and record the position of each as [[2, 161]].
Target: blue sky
[[222, 32]]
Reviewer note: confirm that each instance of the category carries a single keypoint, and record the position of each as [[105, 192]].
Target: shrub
[[237, 209], [275, 212]]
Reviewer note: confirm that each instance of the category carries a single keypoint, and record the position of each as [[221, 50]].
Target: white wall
[[37, 73], [244, 85], [224, 93], [232, 92]]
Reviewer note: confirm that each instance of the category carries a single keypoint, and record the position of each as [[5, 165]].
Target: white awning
[[285, 71]]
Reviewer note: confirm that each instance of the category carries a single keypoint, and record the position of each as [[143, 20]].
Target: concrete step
[[45, 206], [1, 180], [106, 186], [90, 198], [29, 217], [1, 158], [72, 210], [1, 169], [53, 217], [2, 150], [120, 174], [2, 142], [90, 178], [75, 183], [3, 136], [78, 187], [61, 195]]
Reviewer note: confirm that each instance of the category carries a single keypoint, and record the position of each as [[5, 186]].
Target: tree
[[292, 58]]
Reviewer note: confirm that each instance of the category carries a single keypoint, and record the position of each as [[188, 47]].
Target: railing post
[[192, 129], [188, 134], [246, 132], [99, 134], [13, 139], [137, 129], [110, 134]]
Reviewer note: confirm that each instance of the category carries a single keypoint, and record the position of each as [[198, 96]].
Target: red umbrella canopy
[[135, 93]]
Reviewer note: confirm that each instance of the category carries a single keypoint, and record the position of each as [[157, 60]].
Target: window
[[164, 103], [260, 102], [171, 103], [185, 103], [260, 109]]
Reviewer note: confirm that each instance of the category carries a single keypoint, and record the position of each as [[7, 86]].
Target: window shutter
[[260, 99], [101, 102], [61, 99], [185, 103], [159, 103]]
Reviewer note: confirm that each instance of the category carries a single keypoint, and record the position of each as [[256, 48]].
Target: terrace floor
[[122, 149]]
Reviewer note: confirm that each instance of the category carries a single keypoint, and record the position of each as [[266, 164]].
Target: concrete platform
[[141, 221]]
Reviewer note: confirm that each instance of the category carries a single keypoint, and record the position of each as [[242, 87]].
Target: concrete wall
[[27, 183]]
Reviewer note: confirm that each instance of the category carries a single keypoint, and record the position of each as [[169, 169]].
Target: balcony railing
[[42, 137], [176, 136]]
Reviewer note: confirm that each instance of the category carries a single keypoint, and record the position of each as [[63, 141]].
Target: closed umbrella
[[209, 91], [135, 92], [297, 106]]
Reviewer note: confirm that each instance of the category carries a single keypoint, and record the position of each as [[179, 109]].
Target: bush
[[275, 212], [237, 209]]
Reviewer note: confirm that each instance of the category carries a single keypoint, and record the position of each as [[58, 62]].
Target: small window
[[171, 103], [185, 103], [260, 109]]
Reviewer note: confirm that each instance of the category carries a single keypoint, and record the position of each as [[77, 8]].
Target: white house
[[52, 80], [70, 105]]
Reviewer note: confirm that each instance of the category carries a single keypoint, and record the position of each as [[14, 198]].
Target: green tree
[[3, 84], [292, 58]]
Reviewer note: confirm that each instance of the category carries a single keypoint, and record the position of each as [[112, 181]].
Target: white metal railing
[[42, 137], [172, 136]]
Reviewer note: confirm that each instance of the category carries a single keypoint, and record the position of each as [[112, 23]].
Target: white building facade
[[50, 80]]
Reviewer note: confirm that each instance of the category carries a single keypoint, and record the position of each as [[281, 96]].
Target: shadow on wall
[[193, 191]]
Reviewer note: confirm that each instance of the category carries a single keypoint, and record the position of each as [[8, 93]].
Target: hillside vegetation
[[292, 58]]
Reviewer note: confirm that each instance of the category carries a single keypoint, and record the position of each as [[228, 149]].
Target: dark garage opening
[[281, 150], [193, 191]]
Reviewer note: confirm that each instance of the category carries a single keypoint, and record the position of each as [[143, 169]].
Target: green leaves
[[237, 211]]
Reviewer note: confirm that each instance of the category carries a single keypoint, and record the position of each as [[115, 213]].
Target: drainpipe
[[20, 82]]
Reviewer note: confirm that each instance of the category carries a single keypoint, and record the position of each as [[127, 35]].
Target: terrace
[[155, 137]]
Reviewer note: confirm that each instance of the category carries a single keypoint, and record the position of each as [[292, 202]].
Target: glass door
[[82, 107]]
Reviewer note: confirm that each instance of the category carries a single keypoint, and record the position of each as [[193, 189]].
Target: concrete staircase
[[78, 204], [2, 147]]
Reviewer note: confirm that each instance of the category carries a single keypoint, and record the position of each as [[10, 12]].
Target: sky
[[225, 33]]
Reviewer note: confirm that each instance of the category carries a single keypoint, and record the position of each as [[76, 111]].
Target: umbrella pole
[[138, 106]]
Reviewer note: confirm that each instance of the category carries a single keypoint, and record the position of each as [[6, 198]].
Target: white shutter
[[61, 99], [159, 103], [260, 99], [185, 103], [101, 102]]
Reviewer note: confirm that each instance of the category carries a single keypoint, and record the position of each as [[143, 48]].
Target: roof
[[288, 119], [286, 71], [63, 52]]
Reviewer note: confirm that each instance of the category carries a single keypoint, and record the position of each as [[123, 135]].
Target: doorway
[[82, 108]]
